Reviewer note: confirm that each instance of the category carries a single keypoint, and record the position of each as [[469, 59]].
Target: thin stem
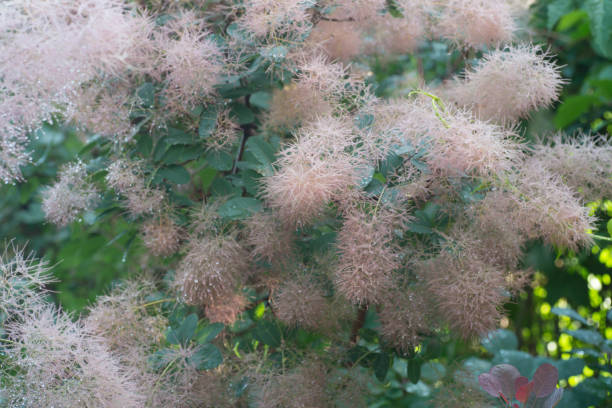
[[154, 303], [601, 237], [150, 400], [8, 341]]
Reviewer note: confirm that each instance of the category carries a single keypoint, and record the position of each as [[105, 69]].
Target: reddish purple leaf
[[545, 380], [490, 384], [522, 394], [519, 382], [506, 376]]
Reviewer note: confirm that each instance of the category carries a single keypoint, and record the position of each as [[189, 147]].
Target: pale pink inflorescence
[[161, 236], [584, 163], [60, 363], [469, 293], [301, 302], [304, 386], [537, 205], [404, 318], [474, 23], [463, 145], [70, 196], [268, 238], [509, 83], [127, 178], [551, 210], [50, 49], [270, 18], [121, 319], [314, 170], [368, 256], [23, 281], [191, 62], [226, 309], [212, 269]]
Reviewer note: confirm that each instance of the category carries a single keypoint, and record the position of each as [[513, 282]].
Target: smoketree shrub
[[306, 230]]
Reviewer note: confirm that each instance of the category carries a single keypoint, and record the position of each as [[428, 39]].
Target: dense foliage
[[278, 203]]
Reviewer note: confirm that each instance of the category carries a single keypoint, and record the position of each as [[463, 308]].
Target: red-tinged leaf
[[522, 394], [516, 405], [519, 382], [506, 376], [545, 380], [490, 384]]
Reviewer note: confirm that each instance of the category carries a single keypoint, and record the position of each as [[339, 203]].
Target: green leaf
[[205, 357], [179, 137], [208, 122], [268, 333], [413, 369], [382, 362], [181, 154], [146, 93], [176, 174], [263, 153], [207, 176], [556, 10], [242, 113], [570, 367], [261, 99], [240, 208], [220, 160], [609, 227], [185, 332], [586, 336], [209, 332], [500, 339], [600, 14], [569, 313], [572, 108]]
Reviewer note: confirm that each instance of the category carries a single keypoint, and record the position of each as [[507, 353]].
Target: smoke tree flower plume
[[474, 23], [509, 83], [70, 196], [23, 281]]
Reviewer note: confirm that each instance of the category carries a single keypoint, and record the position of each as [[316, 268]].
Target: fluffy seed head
[[302, 387], [125, 326], [51, 49], [61, 364], [468, 293], [341, 41], [313, 171], [509, 83], [550, 210], [269, 239], [192, 63], [301, 302], [213, 267], [226, 309], [584, 163], [464, 145], [161, 236], [474, 23], [404, 319], [368, 256], [70, 196], [269, 18], [22, 281], [127, 178]]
